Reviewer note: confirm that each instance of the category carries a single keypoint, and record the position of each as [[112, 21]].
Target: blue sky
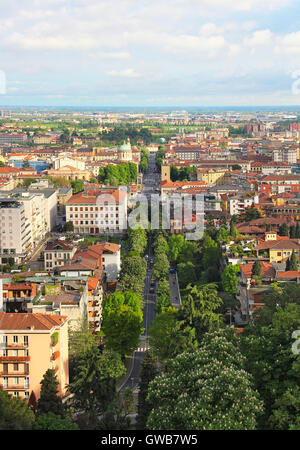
[[150, 53]]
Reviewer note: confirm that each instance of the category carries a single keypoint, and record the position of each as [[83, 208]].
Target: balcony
[[13, 387], [55, 356], [14, 358], [14, 374], [14, 346]]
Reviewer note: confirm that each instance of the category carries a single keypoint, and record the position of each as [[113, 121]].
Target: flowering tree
[[207, 389]]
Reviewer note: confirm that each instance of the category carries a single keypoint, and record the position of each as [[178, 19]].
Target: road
[[151, 182]]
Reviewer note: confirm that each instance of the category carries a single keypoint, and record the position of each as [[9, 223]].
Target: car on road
[[152, 282], [151, 290], [172, 271]]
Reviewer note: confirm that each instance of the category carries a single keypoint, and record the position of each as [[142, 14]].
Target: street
[[150, 183]]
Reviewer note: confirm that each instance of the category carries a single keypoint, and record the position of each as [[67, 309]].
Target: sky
[[150, 53]]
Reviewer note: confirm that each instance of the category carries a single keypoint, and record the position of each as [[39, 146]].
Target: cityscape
[[150, 226]]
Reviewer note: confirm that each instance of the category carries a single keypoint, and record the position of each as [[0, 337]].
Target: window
[[16, 367], [5, 382], [16, 380], [26, 382], [26, 395], [15, 339], [4, 353], [16, 394], [4, 339]]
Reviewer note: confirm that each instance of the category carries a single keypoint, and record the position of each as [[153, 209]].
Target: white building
[[288, 155], [15, 232], [98, 212], [64, 161], [238, 205]]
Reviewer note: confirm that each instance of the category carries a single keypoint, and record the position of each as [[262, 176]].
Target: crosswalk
[[142, 349]]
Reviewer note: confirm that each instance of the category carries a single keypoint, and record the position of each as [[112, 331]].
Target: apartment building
[[6, 138], [285, 154], [15, 232], [47, 202], [238, 204], [58, 253], [30, 345], [98, 211], [34, 213]]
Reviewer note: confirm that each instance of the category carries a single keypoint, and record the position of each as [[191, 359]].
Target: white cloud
[[260, 37], [110, 55], [127, 73]]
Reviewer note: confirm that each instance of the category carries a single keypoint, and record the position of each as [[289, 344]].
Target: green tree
[[51, 421], [269, 358], [169, 336], [230, 279], [132, 274], [211, 252], [161, 266], [256, 269], [94, 383], [200, 307], [207, 389], [283, 230], [176, 243], [117, 299], [162, 296], [186, 273], [137, 240], [122, 329], [160, 245], [292, 262], [77, 186], [14, 413], [251, 214], [297, 230], [223, 235], [292, 232], [148, 372], [49, 400], [286, 410]]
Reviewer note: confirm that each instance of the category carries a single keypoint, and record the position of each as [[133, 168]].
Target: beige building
[[30, 345], [58, 253], [70, 173]]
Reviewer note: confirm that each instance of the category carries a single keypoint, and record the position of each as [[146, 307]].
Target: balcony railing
[[13, 387], [14, 358]]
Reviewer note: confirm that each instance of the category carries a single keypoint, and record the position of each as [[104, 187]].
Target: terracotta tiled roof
[[58, 243], [280, 245], [22, 321], [267, 270], [289, 274]]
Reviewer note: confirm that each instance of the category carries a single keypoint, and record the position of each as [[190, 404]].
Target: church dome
[[125, 147]]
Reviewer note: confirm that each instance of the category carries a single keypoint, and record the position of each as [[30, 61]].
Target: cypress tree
[[292, 232], [256, 269], [49, 401], [283, 230], [293, 263], [298, 230]]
